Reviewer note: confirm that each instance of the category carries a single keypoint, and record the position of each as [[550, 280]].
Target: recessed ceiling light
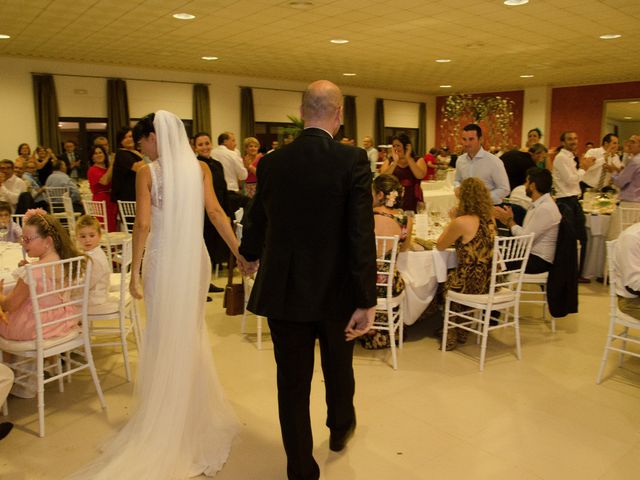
[[443, 60], [610, 36], [209, 58], [349, 74], [339, 41], [4, 37], [628, 118], [445, 86], [634, 102], [184, 16], [526, 76], [301, 5], [515, 3]]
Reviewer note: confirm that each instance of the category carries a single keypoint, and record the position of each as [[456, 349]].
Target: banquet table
[[601, 225], [441, 200], [421, 272]]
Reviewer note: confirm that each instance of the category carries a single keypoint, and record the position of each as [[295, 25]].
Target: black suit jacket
[[311, 225], [516, 163], [82, 170]]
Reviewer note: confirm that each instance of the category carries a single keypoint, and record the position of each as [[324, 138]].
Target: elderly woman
[[251, 158], [407, 168], [471, 232]]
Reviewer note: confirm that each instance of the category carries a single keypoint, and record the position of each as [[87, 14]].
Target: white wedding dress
[[182, 426]]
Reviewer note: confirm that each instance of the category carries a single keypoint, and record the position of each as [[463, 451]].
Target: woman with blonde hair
[[250, 159], [471, 232]]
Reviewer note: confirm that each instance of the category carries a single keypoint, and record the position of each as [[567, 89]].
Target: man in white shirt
[[542, 219], [10, 186], [234, 169], [626, 263], [566, 181], [606, 161], [372, 153], [477, 162]]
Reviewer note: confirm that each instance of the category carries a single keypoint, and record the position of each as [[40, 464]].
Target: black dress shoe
[[5, 429], [209, 299], [583, 280], [337, 441], [214, 289]]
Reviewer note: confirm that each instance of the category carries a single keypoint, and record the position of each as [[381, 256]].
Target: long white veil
[[182, 425]]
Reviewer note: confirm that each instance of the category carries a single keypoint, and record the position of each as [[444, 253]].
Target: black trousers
[[536, 264], [294, 347], [571, 208]]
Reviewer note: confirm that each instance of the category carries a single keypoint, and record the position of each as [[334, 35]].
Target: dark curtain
[[46, 107], [117, 109], [421, 146], [349, 117], [201, 109], [380, 137], [247, 120]]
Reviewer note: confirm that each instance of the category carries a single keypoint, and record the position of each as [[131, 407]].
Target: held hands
[[246, 267], [360, 323]]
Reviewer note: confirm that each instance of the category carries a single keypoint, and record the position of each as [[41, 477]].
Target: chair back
[[98, 210], [54, 197], [127, 211], [510, 256], [613, 297], [65, 279], [627, 216], [70, 215], [17, 219], [387, 254], [126, 259]]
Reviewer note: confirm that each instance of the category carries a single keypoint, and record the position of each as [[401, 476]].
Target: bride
[[182, 426]]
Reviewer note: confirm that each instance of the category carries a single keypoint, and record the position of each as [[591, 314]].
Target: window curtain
[[422, 130], [201, 111], [117, 109], [46, 107], [247, 119], [349, 119], [379, 123]]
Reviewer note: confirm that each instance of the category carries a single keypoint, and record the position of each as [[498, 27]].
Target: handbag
[[233, 292]]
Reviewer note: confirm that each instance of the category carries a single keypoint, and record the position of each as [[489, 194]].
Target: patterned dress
[[380, 339]]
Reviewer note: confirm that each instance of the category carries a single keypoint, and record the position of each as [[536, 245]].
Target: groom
[[311, 226]]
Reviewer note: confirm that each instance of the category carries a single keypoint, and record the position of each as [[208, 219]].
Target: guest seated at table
[[43, 238], [9, 231], [44, 158], [59, 179], [35, 189], [626, 264], [24, 152], [389, 221], [471, 232], [542, 219], [407, 168], [89, 234]]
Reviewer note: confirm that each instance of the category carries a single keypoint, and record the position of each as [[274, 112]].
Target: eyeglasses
[[27, 240]]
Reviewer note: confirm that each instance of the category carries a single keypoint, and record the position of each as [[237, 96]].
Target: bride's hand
[[246, 267], [134, 287]]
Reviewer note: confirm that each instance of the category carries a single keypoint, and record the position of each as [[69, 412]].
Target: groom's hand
[[360, 323]]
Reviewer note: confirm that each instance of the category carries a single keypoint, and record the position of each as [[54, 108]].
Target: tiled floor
[[436, 417]]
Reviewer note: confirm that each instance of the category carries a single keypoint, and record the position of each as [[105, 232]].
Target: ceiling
[[623, 111], [393, 43]]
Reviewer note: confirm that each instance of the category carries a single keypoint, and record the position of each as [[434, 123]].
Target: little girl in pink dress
[[43, 238]]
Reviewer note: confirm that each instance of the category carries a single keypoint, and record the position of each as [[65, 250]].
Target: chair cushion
[[535, 277], [26, 345], [503, 295]]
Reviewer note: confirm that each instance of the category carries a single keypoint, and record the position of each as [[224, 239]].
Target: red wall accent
[[581, 108], [518, 102]]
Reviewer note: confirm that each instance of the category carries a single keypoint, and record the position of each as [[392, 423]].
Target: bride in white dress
[[182, 426]]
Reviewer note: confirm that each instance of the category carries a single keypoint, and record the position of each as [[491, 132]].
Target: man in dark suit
[[75, 165], [311, 226]]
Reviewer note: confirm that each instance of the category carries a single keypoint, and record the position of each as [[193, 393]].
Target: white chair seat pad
[[26, 345], [503, 295]]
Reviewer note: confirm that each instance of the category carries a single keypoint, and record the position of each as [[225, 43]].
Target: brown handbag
[[233, 293]]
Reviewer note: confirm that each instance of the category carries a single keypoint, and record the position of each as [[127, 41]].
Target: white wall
[[536, 111], [275, 105], [86, 97]]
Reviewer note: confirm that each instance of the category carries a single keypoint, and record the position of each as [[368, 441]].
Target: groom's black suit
[[311, 225]]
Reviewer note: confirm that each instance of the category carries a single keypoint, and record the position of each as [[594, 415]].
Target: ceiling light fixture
[[634, 102], [301, 5], [443, 60], [349, 74], [526, 76], [610, 36], [515, 3], [183, 16], [339, 41], [4, 37], [628, 118], [445, 86], [209, 58]]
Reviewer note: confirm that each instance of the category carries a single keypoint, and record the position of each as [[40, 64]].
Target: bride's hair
[[144, 127]]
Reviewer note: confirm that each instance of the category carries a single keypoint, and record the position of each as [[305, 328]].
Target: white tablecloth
[[10, 255], [441, 200], [421, 272], [600, 228]]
